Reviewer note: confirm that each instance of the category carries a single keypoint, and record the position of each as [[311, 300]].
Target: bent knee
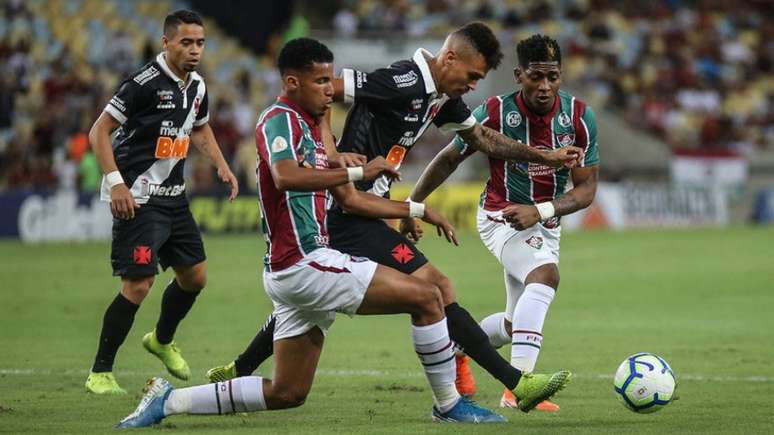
[[290, 399], [193, 283], [136, 290], [429, 301]]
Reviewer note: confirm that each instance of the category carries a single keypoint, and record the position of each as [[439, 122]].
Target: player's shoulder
[[145, 74], [280, 115], [573, 105]]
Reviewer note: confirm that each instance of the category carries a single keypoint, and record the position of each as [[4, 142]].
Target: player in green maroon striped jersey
[[520, 209]]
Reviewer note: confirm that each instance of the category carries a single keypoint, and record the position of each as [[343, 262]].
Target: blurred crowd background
[[693, 75]]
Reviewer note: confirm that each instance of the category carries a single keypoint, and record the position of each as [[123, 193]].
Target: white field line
[[375, 374]]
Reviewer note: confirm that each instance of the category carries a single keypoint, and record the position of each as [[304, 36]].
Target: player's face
[[462, 72], [313, 89], [184, 50], [540, 83]]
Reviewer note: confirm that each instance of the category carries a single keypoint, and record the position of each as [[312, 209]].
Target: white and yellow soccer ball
[[644, 383]]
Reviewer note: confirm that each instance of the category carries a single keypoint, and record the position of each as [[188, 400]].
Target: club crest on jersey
[[513, 119], [279, 144], [565, 139], [196, 103], [564, 120], [321, 240], [535, 242], [519, 167]]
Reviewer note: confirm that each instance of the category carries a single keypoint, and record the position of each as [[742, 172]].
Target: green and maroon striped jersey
[[293, 222], [570, 122]]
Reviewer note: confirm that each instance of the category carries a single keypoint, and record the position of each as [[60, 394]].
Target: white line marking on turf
[[376, 374]]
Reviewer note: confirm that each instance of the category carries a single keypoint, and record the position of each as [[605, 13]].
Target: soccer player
[[392, 108], [158, 111], [520, 209], [309, 282]]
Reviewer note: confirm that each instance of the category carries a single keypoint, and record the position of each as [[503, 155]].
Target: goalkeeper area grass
[[700, 298]]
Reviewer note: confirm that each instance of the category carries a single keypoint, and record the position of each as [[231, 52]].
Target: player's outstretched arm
[[288, 175], [497, 145], [365, 204], [204, 139], [122, 203], [522, 216]]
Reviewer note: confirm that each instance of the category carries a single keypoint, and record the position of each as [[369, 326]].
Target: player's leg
[[467, 333], [261, 347], [184, 252], [497, 326], [296, 362], [391, 292], [134, 257]]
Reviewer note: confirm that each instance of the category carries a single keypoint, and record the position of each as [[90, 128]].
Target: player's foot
[[222, 373], [509, 401], [151, 408], [534, 388], [465, 382], [169, 354], [467, 411], [103, 383]]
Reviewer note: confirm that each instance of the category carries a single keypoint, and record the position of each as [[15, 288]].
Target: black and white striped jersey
[[392, 108], [157, 111]]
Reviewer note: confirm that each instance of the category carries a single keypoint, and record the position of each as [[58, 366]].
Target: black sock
[[175, 304], [261, 348], [116, 324], [467, 333]]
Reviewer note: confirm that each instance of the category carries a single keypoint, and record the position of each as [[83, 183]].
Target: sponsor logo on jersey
[[407, 139], [406, 80], [118, 104], [167, 147], [168, 129], [396, 154], [142, 254], [416, 104], [166, 105], [535, 242], [146, 75], [565, 139], [279, 144], [159, 190], [360, 78], [564, 120], [411, 117], [513, 119], [165, 95]]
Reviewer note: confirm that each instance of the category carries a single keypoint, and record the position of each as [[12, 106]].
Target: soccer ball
[[644, 383]]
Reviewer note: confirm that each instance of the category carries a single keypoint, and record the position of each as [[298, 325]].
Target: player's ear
[[291, 82], [517, 74], [164, 41]]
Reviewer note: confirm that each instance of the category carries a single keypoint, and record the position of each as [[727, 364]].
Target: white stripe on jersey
[[588, 141]]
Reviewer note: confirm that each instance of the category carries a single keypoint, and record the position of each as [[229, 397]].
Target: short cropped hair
[[301, 53], [538, 48], [182, 16], [483, 40]]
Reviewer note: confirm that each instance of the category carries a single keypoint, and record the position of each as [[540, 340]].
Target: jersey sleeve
[[589, 123], [279, 136], [454, 116], [125, 102], [383, 84], [203, 115]]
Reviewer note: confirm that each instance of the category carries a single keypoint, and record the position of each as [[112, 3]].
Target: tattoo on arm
[[436, 173], [500, 146], [577, 198]]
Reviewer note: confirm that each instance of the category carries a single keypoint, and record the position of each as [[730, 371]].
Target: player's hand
[[441, 225], [379, 166], [348, 160], [226, 176], [122, 203], [521, 216], [412, 229], [567, 157]]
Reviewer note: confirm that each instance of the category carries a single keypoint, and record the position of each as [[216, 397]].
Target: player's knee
[[429, 301], [290, 399], [136, 290], [195, 283]]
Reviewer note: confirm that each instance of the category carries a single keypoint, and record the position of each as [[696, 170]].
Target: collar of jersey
[[420, 58], [296, 108], [535, 117], [162, 61]]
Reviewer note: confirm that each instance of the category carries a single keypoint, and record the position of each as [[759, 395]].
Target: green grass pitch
[[702, 299]]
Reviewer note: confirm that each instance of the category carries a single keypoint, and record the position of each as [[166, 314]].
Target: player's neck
[[183, 75]]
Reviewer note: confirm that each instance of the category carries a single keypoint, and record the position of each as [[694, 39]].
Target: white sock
[[528, 318], [243, 394], [494, 326], [436, 353]]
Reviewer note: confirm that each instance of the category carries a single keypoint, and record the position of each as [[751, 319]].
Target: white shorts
[[312, 291], [519, 252]]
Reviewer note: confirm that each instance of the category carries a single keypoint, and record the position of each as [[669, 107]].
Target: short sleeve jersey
[[392, 108], [570, 122], [293, 222], [157, 111]]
